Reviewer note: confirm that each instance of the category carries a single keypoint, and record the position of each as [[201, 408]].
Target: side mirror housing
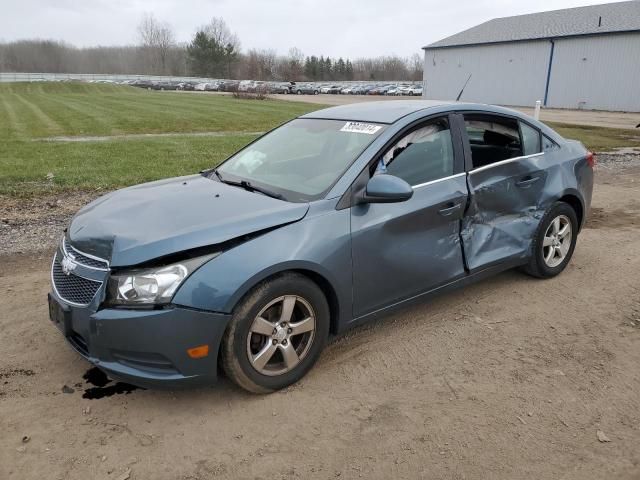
[[386, 188]]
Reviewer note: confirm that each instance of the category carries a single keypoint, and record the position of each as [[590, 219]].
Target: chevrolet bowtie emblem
[[68, 265]]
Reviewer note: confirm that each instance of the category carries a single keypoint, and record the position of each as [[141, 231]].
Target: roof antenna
[[465, 86], [600, 21]]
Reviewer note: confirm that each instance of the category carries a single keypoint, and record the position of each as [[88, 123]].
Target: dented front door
[[400, 250]]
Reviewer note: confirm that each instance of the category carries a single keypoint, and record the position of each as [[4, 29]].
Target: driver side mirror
[[386, 188]]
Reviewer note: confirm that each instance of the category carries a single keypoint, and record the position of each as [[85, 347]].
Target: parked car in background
[[380, 90], [415, 90], [306, 89], [228, 86], [392, 90], [207, 87], [330, 89], [403, 90], [164, 86], [245, 85], [259, 87], [187, 86], [366, 89], [258, 261], [280, 88], [142, 84]]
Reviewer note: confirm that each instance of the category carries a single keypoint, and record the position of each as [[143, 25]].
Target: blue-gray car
[[331, 220]]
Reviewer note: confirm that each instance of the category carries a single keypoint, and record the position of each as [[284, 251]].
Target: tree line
[[214, 51]]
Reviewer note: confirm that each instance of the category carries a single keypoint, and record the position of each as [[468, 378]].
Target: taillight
[[591, 159]]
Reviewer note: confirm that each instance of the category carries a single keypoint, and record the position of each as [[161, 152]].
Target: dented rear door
[[503, 213], [504, 209]]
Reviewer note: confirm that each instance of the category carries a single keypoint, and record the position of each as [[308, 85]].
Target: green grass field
[[34, 116], [599, 139]]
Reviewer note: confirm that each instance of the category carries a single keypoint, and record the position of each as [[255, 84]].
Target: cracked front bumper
[[147, 348]]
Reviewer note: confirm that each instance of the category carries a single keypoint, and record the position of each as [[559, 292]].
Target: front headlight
[[151, 286]]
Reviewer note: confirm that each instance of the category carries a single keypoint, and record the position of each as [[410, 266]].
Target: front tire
[[276, 334], [554, 241]]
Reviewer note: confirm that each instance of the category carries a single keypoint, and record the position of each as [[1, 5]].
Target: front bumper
[[147, 348]]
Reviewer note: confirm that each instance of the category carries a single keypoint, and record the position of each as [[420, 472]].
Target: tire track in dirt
[[508, 378]]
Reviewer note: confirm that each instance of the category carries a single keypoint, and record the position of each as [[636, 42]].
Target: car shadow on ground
[[438, 313]]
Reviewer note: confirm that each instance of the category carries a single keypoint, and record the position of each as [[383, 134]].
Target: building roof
[[376, 112], [591, 20]]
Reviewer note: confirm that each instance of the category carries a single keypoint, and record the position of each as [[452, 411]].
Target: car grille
[[83, 258], [72, 288]]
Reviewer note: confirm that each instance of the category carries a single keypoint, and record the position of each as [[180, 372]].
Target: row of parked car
[[374, 89], [285, 88]]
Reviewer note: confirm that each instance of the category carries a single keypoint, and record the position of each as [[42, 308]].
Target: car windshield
[[301, 160]]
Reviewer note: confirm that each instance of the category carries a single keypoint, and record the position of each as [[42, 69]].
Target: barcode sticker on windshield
[[356, 127]]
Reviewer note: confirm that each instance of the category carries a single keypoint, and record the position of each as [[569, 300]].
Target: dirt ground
[[576, 117], [511, 378]]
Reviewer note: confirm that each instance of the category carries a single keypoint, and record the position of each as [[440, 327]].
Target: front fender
[[320, 244]]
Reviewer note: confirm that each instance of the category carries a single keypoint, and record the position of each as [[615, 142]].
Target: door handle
[[527, 181], [449, 209]]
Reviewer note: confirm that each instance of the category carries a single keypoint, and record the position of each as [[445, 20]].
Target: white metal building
[[586, 57]]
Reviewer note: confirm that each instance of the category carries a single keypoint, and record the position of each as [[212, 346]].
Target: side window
[[423, 155], [492, 138], [548, 144], [530, 139]]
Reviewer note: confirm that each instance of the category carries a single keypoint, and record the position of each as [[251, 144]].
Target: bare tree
[[156, 40], [218, 31], [293, 67], [416, 65], [157, 54]]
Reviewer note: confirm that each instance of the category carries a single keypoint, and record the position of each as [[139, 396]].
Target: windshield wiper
[[249, 186]]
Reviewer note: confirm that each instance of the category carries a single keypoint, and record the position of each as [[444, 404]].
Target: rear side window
[[492, 138], [423, 155], [548, 144], [530, 139]]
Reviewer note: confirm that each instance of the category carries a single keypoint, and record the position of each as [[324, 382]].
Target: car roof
[[376, 112]]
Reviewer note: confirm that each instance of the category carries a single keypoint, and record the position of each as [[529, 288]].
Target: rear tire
[[270, 343], [554, 241]]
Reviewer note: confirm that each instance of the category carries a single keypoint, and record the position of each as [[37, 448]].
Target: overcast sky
[[350, 28]]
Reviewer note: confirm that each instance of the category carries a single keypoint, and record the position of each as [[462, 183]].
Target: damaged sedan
[[329, 221]]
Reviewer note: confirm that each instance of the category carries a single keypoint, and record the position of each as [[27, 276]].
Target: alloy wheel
[[281, 335], [557, 241]]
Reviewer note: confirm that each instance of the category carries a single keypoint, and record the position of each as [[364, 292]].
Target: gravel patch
[[619, 159], [34, 224]]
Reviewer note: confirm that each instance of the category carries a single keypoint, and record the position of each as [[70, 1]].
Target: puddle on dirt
[[103, 386]]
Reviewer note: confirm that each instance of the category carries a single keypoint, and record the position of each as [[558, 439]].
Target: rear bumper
[[147, 348]]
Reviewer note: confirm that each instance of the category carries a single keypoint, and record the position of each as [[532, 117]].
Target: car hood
[[152, 220]]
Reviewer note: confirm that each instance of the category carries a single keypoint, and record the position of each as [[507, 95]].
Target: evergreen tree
[[348, 70], [328, 68], [213, 50], [341, 69], [199, 51]]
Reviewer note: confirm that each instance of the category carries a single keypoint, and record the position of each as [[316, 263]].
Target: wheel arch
[[313, 273], [574, 200]]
